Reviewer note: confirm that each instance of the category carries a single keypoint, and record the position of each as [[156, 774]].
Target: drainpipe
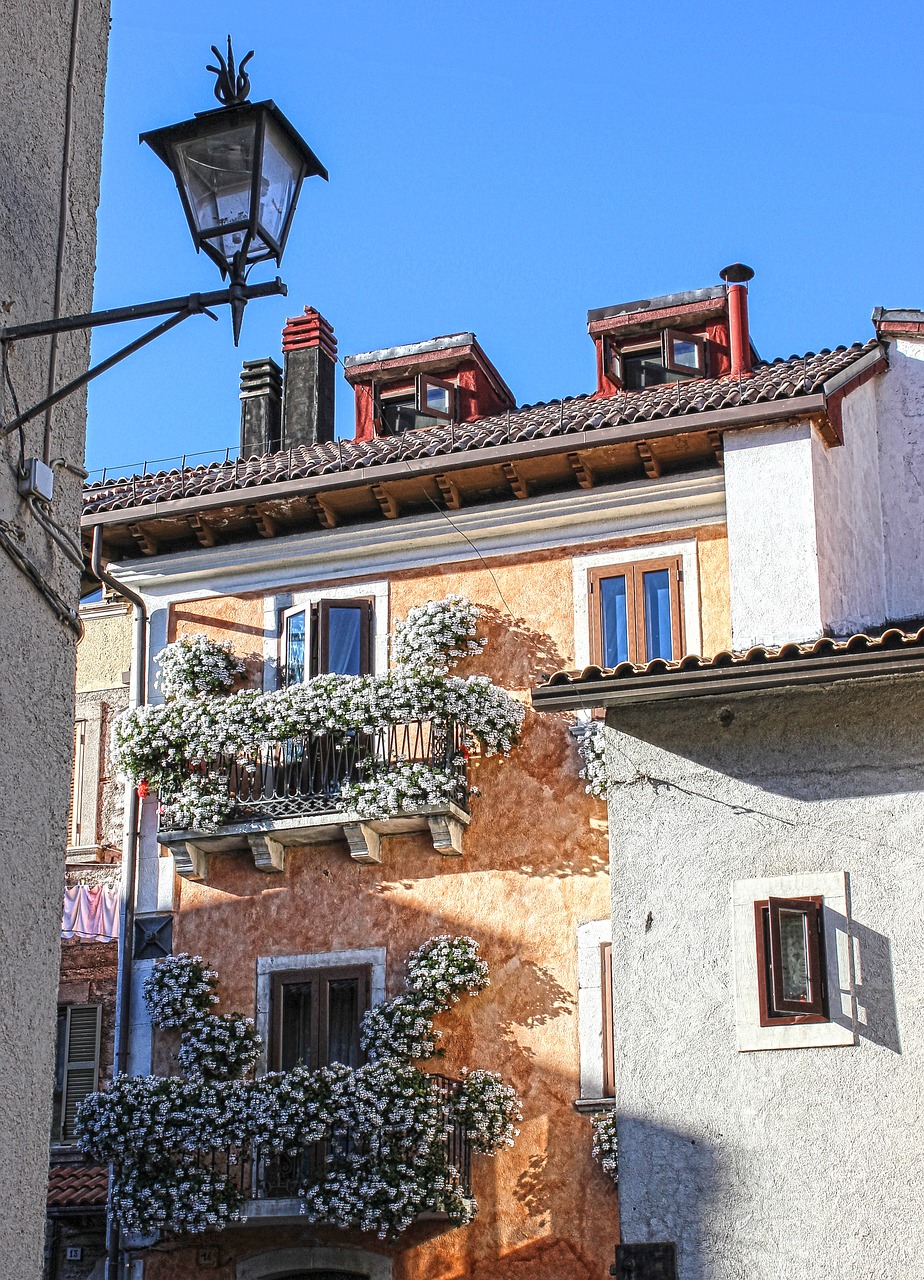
[[739, 339], [129, 857]]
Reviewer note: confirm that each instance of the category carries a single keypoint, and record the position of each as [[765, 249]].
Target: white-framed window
[[595, 1010], [341, 628], [794, 985], [630, 601], [309, 1006]]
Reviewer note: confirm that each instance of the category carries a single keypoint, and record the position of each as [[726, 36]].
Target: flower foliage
[[175, 746], [219, 1047], [435, 634], [604, 1143], [173, 1141], [407, 787], [592, 750], [195, 666], [179, 990]]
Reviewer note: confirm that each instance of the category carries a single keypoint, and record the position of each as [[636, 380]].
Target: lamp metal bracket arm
[[237, 295]]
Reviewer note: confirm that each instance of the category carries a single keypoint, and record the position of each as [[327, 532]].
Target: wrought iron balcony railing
[[267, 1177], [305, 775], [290, 792]]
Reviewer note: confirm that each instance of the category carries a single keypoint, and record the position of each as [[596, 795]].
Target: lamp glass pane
[[282, 168], [217, 174]]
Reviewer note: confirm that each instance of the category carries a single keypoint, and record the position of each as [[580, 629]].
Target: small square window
[[435, 398], [684, 353]]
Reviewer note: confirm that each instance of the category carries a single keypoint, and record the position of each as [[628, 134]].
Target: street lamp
[[239, 170]]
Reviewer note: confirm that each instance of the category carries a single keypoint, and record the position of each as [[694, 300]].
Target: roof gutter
[[574, 694]]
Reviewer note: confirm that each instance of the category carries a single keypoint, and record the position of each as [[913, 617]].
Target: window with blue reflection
[[295, 648], [656, 592], [614, 618], [344, 640]]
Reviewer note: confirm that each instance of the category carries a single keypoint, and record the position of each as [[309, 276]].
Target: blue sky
[[503, 166]]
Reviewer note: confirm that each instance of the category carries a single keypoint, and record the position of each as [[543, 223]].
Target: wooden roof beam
[[649, 461], [518, 485], [582, 473], [203, 531], [327, 517], [144, 540], [449, 490], [386, 501], [265, 524]]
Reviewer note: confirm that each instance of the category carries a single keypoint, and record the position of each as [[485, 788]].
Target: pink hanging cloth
[[91, 913]]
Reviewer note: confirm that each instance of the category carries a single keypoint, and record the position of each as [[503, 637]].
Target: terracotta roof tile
[[779, 380], [628, 676], [73, 1185]]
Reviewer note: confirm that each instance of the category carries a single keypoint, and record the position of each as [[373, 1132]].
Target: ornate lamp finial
[[231, 90]]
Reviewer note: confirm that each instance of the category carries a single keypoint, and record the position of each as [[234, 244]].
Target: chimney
[[261, 407], [739, 338], [310, 351]]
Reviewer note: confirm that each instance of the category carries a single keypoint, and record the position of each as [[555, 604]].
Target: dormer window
[[670, 356], [431, 403]]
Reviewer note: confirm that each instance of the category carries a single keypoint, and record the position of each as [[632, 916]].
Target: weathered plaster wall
[[848, 520], [533, 869], [773, 558], [900, 408], [104, 655], [774, 1162], [36, 651]]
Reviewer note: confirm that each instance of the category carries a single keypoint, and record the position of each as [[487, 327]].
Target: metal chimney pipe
[[739, 338]]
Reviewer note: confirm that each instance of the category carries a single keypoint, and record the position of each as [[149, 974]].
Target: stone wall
[[36, 649], [778, 1161]]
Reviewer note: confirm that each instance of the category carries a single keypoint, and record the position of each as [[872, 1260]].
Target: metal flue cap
[[737, 273]]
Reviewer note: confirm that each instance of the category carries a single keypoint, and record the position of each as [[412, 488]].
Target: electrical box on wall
[[37, 480]]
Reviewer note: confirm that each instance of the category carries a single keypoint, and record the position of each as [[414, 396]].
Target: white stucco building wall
[[39, 228], [768, 1162]]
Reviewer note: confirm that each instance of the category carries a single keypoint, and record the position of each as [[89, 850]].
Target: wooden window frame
[[318, 980], [775, 1009], [425, 380], [320, 628], [633, 572], [317, 635], [606, 1002], [668, 338]]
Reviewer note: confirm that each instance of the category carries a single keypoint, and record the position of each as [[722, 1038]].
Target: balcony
[[289, 794], [270, 1183]]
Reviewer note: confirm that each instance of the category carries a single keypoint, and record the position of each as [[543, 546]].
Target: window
[[606, 1002], [328, 636], [74, 813], [430, 403], [790, 961], [76, 1065], [794, 971], [668, 356], [315, 1017], [635, 612]]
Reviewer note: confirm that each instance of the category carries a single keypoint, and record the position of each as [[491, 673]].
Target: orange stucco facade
[[533, 869]]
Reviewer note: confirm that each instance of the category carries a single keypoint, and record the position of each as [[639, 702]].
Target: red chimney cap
[[309, 330]]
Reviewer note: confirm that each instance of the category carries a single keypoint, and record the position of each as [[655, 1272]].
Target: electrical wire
[[10, 536]]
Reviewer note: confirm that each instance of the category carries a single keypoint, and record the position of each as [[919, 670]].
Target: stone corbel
[[190, 860], [268, 854], [365, 844], [446, 832]]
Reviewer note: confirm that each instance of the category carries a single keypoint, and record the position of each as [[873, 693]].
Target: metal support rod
[[143, 310], [76, 383]]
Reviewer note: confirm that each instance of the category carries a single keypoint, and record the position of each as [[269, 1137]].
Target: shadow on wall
[[516, 654], [667, 1181], [874, 986]]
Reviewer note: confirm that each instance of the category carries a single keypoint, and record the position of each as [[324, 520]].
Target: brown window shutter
[[81, 1068]]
